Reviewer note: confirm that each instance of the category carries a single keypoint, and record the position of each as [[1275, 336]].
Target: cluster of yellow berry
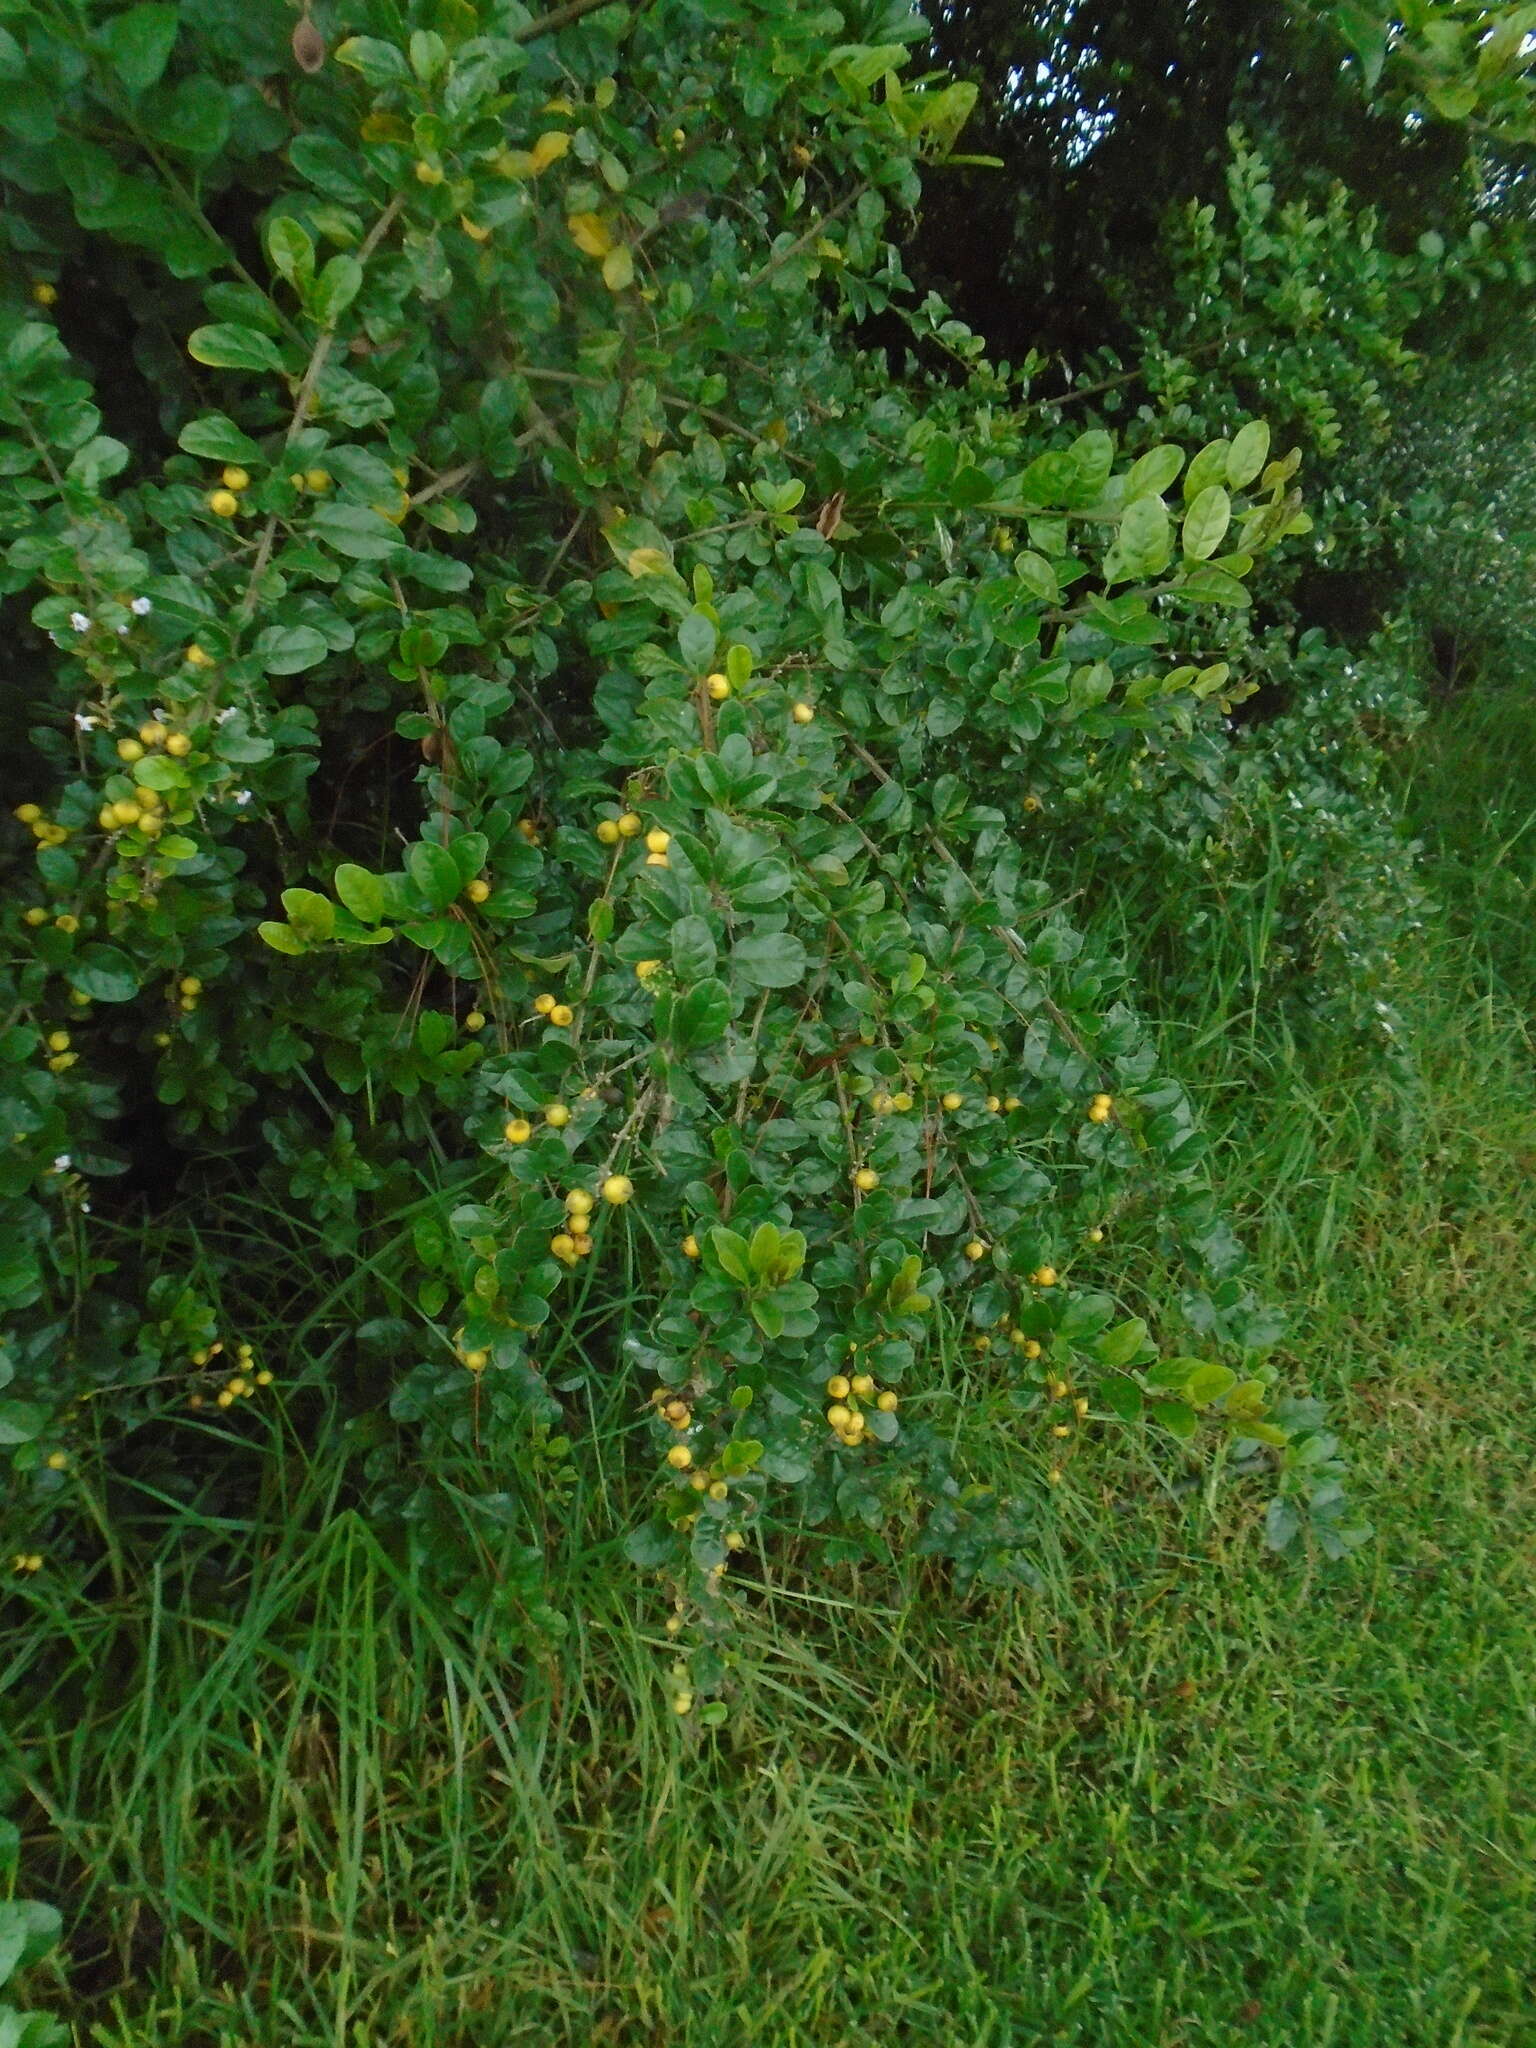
[[518, 1130], [240, 1385], [27, 1561], [60, 1058], [139, 808], [1101, 1109], [186, 993], [575, 1241], [553, 1011], [224, 502], [845, 1417], [629, 825], [42, 827]]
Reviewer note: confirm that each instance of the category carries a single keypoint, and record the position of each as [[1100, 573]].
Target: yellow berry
[[682, 1703], [802, 713], [644, 969], [224, 504], [225, 1398], [887, 1402], [994, 1103], [1058, 1389], [866, 1179], [719, 687], [608, 831], [1044, 1276], [839, 1386], [518, 1131], [477, 890], [902, 1100], [189, 985], [544, 1004], [629, 824], [1011, 1102], [1031, 803], [1080, 1405], [953, 1099], [562, 1015], [1102, 1101], [975, 1249], [197, 657], [1060, 1429], [58, 1041], [178, 744], [147, 799], [563, 1245], [580, 1226], [690, 1246], [57, 1460], [556, 1115], [657, 860], [475, 1021], [863, 1385], [1098, 1114], [618, 1188], [735, 1540], [838, 1416], [67, 923], [234, 478], [657, 841], [1054, 1475], [130, 750], [264, 1378], [1095, 1236], [317, 479], [29, 813], [36, 915], [718, 1490], [1031, 1348], [44, 293], [152, 732], [579, 1202], [679, 1457], [477, 1361], [428, 174]]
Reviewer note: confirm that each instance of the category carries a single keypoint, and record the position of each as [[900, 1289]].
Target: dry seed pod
[[308, 45]]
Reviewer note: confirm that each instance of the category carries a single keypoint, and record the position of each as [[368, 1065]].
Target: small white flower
[[85, 1208], [163, 716], [80, 622], [62, 1163], [141, 607], [85, 723], [122, 630], [228, 712], [243, 797]]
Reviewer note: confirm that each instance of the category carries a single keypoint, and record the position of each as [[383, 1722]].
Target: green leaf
[[730, 1249], [312, 915], [21, 1421], [434, 872], [286, 650], [104, 973], [1209, 1383], [1248, 454], [335, 289], [1208, 467], [1178, 1420], [216, 438], [138, 44], [1037, 576], [280, 938], [355, 530], [290, 250], [1206, 522], [361, 891], [701, 1016], [693, 949], [770, 960], [1124, 1342], [1154, 471], [226, 346], [1145, 540]]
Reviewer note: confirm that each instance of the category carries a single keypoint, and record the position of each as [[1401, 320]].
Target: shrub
[[534, 747]]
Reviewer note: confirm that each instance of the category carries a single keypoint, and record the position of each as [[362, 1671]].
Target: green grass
[[1187, 1794]]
